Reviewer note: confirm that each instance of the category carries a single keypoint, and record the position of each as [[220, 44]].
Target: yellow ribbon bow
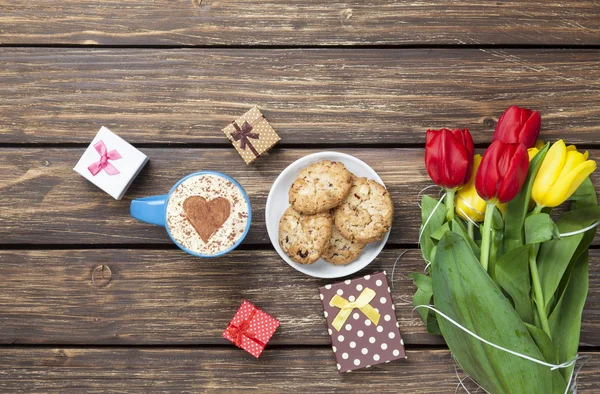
[[346, 307]]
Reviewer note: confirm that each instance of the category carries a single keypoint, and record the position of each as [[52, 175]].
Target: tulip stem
[[471, 229], [537, 289], [486, 236], [450, 204], [493, 255]]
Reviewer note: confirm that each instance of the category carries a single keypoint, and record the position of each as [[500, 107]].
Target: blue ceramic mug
[[153, 210]]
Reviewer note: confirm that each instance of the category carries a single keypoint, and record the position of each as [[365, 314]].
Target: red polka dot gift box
[[361, 321], [251, 134], [251, 329]]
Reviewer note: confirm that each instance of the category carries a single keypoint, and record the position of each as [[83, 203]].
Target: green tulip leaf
[[495, 252], [579, 218], [423, 296], [559, 384], [432, 253], [588, 199], [565, 320], [497, 221], [437, 234], [562, 286], [543, 342], [459, 228], [555, 256], [436, 220], [498, 236], [585, 195], [539, 228], [512, 274], [518, 207], [577, 197], [464, 291]]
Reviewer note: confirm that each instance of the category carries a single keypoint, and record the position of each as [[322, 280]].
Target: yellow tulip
[[469, 205], [532, 152], [502, 207], [539, 144], [561, 173]]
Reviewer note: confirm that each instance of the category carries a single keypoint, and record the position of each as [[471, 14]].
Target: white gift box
[[111, 163]]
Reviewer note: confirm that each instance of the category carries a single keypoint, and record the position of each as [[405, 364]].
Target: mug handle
[[150, 209]]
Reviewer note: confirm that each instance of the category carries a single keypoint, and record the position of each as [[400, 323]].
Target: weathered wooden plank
[[328, 96], [311, 22], [297, 370], [45, 202], [167, 297]]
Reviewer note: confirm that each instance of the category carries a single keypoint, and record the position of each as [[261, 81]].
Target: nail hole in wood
[[489, 122], [101, 276]]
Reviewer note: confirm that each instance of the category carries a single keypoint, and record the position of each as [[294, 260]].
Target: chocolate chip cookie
[[366, 213], [342, 251], [302, 237], [320, 187]]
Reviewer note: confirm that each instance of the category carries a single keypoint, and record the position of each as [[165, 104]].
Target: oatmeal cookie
[[304, 238], [320, 187], [342, 251], [366, 214]]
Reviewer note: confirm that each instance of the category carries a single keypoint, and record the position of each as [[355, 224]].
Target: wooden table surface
[[92, 300]]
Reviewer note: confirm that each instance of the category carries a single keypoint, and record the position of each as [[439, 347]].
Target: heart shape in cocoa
[[206, 216]]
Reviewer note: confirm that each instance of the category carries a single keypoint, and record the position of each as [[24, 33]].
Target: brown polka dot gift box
[[251, 134], [361, 321], [251, 329]]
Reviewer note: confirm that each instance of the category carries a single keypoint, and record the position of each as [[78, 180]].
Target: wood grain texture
[[160, 297], [230, 370], [46, 202], [68, 275], [289, 22], [167, 297], [325, 97]]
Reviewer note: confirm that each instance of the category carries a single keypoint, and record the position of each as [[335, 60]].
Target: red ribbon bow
[[243, 134], [103, 163], [243, 330]]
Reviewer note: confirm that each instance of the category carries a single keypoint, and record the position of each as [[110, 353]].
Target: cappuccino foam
[[209, 187]]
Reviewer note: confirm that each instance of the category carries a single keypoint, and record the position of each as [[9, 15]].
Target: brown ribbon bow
[[242, 135], [243, 330]]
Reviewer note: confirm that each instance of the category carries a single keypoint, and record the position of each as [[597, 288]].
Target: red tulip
[[449, 157], [518, 125], [502, 171]]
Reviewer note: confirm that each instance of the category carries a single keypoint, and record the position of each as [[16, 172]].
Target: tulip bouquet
[[507, 280]]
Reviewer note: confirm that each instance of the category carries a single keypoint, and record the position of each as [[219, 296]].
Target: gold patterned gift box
[[251, 134]]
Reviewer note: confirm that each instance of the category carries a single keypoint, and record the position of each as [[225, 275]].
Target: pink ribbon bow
[[103, 163]]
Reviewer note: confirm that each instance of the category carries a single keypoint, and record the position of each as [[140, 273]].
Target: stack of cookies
[[333, 214]]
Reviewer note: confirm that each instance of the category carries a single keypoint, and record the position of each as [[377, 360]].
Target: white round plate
[[277, 203]]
